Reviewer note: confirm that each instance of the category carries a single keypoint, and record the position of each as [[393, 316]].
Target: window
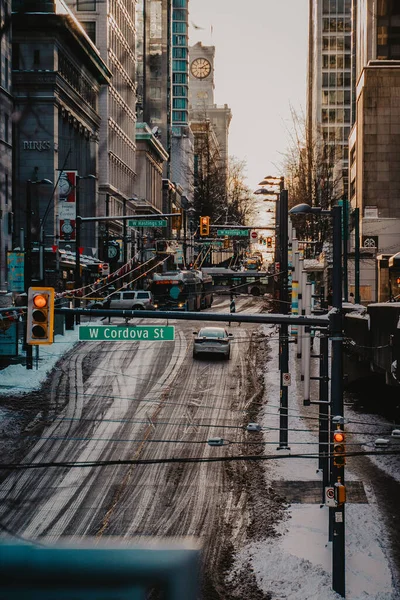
[[180, 90], [179, 53], [179, 28], [15, 56], [90, 28], [179, 65], [179, 103], [6, 126], [155, 93], [179, 77], [86, 5], [325, 79], [179, 116]]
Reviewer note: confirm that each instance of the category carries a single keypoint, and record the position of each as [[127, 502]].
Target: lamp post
[[281, 247], [337, 515], [28, 252], [78, 276]]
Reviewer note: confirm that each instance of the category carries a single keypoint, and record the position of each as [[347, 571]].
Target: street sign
[[254, 235], [128, 333], [233, 232], [147, 223], [286, 379], [330, 497]]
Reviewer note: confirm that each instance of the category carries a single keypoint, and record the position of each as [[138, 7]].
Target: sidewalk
[[297, 565]]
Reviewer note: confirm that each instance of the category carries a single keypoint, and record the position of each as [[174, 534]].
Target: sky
[[260, 72]]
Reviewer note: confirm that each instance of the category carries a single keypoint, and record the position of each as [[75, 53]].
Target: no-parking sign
[[330, 497]]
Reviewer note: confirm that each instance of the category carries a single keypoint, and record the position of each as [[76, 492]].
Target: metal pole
[[28, 263], [357, 298], [78, 279], [105, 250], [324, 412], [345, 248], [125, 249], [338, 549], [283, 330]]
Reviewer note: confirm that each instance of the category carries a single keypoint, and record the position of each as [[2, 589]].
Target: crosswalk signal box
[[204, 226], [40, 316]]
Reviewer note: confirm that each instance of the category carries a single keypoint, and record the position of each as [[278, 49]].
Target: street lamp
[[335, 316], [78, 277]]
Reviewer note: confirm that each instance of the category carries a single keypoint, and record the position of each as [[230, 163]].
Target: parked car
[[129, 300], [212, 340]]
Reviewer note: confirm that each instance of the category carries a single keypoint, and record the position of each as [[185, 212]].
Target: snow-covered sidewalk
[[297, 564]]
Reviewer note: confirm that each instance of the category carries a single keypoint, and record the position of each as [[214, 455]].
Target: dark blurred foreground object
[[101, 571]]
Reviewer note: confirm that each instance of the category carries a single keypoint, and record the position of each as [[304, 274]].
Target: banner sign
[[67, 204], [15, 269]]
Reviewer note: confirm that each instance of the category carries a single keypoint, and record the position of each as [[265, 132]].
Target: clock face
[[67, 228], [200, 68], [112, 251], [64, 185]]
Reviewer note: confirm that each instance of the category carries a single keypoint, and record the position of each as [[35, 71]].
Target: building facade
[[329, 87], [57, 77], [111, 26], [6, 110], [374, 144]]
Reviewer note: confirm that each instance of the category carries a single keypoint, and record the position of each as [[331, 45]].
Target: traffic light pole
[[28, 262], [337, 514], [283, 330]]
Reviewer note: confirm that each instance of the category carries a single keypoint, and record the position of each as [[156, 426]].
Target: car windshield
[[212, 333]]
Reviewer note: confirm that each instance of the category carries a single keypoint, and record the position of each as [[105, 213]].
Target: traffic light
[[177, 221], [40, 315], [269, 242], [339, 448], [226, 242], [204, 226]]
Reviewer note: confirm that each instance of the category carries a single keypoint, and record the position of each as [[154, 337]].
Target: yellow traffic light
[[269, 242], [339, 448], [204, 226], [40, 316], [177, 221]]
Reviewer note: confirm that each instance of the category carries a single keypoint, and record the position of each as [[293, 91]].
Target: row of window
[[180, 78], [340, 97], [180, 103], [336, 134], [336, 79], [336, 42], [180, 65], [178, 27], [180, 3], [335, 115], [338, 24], [180, 40], [179, 15], [179, 52], [180, 116], [336, 6], [180, 90], [336, 61]]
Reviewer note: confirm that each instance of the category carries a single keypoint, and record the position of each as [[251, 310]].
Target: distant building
[[6, 110], [329, 85], [201, 102]]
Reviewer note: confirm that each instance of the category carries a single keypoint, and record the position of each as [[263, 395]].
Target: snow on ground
[[17, 379], [297, 564]]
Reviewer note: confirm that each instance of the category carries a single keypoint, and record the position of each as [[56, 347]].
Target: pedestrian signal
[[226, 242], [40, 316], [339, 448], [204, 225], [269, 242]]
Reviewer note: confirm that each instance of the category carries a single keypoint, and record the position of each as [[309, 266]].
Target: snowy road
[[137, 400]]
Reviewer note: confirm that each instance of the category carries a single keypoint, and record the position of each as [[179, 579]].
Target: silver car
[[127, 299], [212, 340]]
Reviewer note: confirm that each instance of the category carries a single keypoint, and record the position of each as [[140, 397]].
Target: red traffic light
[[338, 437], [40, 301]]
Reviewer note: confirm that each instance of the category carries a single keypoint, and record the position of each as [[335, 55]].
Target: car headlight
[[180, 304]]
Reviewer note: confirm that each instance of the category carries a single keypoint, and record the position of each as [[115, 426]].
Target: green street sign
[[232, 232], [147, 223], [127, 333]]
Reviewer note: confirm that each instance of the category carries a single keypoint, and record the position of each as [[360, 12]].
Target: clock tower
[[201, 76]]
